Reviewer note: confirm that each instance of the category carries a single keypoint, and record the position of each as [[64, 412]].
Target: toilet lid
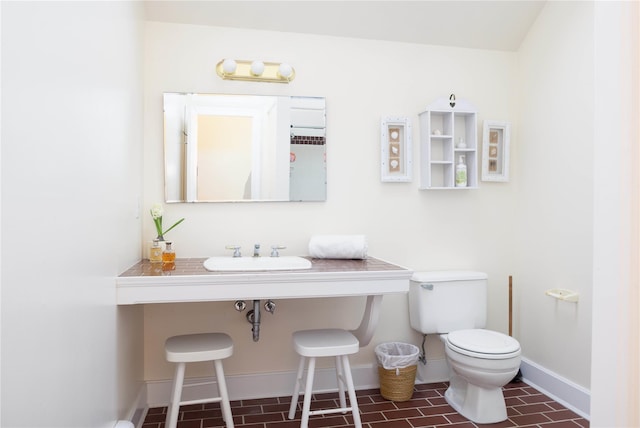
[[483, 342]]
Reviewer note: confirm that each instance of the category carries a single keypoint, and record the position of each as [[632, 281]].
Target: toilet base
[[480, 405]]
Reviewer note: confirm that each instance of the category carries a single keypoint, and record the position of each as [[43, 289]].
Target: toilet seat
[[480, 343]]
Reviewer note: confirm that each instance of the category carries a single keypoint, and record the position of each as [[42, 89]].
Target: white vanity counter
[[191, 282]]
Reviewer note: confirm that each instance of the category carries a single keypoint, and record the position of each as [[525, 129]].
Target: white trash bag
[[396, 355]]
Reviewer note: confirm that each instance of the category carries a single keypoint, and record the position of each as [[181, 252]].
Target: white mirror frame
[[495, 151], [396, 155]]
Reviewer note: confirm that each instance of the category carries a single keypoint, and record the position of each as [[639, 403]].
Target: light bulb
[[229, 66], [285, 70], [257, 67]]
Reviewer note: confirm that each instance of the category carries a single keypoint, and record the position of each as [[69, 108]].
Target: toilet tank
[[445, 301]]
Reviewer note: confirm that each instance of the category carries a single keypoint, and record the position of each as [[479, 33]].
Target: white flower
[[156, 215], [156, 211]]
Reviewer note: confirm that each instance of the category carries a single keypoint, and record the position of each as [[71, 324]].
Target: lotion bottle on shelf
[[461, 173]]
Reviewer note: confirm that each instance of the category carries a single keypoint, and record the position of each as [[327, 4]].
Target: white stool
[[336, 343], [325, 343], [192, 348]]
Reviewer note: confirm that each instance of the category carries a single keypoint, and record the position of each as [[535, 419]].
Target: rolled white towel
[[338, 247]]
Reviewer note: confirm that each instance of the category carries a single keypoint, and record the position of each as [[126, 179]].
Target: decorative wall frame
[[495, 151], [396, 156]]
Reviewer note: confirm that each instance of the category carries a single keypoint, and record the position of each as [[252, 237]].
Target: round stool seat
[[190, 348], [327, 342]]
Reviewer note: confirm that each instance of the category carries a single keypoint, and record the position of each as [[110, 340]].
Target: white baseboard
[[565, 392], [433, 371], [138, 410], [262, 385], [280, 384]]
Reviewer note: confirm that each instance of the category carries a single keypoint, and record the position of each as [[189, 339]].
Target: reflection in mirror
[[222, 148]]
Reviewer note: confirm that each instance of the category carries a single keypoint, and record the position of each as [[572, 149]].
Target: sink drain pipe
[[253, 316]]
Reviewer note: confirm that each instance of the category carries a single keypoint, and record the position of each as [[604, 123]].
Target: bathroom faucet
[[256, 250], [274, 250], [236, 250]]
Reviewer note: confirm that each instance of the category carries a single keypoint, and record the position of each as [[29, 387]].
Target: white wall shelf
[[442, 130]]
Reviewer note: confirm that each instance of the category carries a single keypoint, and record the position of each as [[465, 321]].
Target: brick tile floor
[[526, 407]]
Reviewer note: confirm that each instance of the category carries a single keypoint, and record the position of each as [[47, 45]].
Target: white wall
[[554, 176], [419, 229], [578, 220], [615, 371], [71, 159]]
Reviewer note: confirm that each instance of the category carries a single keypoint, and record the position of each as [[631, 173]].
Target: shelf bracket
[[562, 294]]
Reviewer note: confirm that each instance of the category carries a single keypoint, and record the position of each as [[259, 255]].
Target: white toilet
[[454, 305]]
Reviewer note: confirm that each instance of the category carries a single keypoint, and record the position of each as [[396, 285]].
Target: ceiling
[[495, 25]]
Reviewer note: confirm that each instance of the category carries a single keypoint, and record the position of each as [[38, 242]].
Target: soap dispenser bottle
[[155, 252], [168, 257], [461, 173]]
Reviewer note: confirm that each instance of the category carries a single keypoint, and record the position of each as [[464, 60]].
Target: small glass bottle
[[155, 252], [168, 257]]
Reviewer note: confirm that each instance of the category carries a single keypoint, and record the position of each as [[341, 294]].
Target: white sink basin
[[247, 264]]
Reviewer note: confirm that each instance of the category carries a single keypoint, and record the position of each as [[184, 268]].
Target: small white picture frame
[[396, 155], [495, 150]]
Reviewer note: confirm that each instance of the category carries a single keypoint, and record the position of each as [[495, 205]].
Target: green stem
[[158, 223], [177, 223]]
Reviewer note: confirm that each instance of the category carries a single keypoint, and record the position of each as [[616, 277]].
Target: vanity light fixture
[[256, 71]]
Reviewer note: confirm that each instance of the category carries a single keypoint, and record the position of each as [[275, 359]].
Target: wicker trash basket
[[397, 384], [397, 370]]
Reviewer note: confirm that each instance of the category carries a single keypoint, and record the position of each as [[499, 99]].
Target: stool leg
[[306, 405], [353, 400], [224, 394], [340, 378], [176, 393], [296, 389]]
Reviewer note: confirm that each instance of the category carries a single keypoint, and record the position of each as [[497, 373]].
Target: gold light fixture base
[[271, 72]]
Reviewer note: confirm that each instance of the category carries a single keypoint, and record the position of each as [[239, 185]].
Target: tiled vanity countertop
[[145, 282]]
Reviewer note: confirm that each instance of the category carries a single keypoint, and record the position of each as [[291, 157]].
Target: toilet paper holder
[[563, 294]]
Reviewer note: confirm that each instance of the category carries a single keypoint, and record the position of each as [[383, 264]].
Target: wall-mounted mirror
[[228, 148]]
